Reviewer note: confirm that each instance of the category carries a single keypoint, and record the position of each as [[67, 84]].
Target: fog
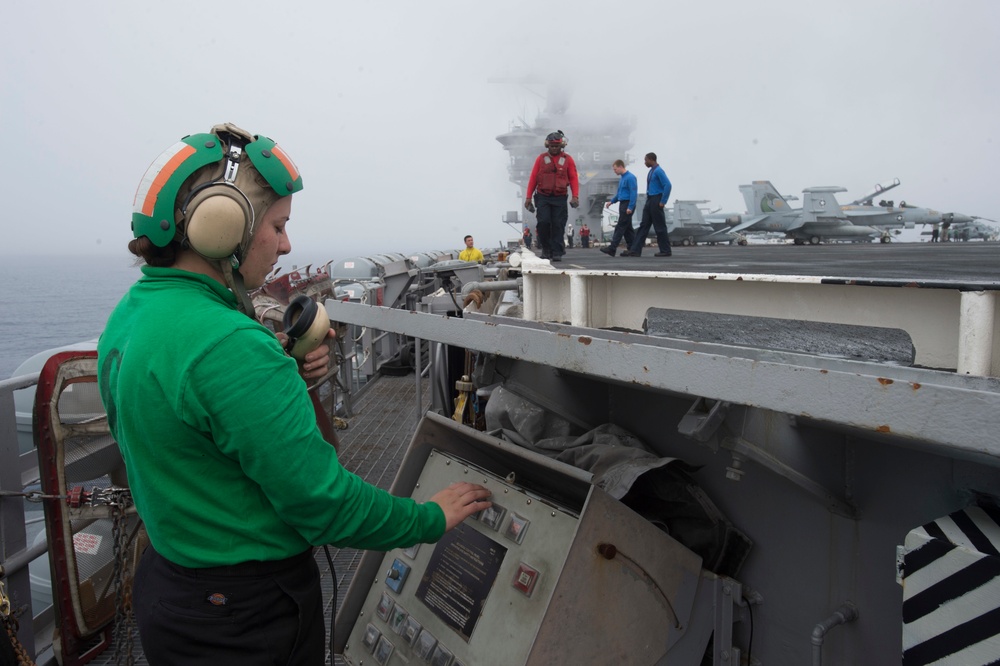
[[389, 111]]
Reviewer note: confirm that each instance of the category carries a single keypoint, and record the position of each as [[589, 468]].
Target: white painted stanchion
[[975, 332], [579, 298]]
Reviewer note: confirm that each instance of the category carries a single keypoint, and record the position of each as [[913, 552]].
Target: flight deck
[[972, 262]]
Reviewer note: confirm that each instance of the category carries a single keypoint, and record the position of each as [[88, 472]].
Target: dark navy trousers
[[623, 230], [552, 214], [652, 216], [250, 613]]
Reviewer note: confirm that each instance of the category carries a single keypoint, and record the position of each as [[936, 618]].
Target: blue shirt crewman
[[657, 193], [628, 191]]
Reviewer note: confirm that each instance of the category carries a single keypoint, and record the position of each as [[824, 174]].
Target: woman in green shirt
[[228, 470]]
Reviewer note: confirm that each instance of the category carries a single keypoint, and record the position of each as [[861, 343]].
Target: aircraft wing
[[747, 223], [721, 234]]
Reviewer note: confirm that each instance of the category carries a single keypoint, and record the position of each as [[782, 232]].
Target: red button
[[525, 579]]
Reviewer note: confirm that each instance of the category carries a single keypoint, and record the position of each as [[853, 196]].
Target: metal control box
[[556, 572]]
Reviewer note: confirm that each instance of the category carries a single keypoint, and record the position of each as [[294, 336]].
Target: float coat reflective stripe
[[553, 176]]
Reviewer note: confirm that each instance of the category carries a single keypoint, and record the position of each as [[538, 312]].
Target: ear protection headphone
[[305, 325], [219, 215]]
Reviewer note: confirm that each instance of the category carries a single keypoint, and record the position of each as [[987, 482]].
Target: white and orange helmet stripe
[[158, 173], [283, 157]]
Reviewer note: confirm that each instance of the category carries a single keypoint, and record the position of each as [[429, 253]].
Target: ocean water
[[48, 302]]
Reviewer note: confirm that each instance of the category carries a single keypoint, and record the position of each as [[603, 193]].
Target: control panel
[[534, 579], [442, 603]]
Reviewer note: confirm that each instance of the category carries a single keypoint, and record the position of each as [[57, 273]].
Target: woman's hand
[[461, 500], [317, 362]]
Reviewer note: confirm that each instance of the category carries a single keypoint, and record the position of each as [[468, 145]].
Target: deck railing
[[18, 476]]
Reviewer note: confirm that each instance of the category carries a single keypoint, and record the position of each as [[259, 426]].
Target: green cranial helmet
[[179, 173]]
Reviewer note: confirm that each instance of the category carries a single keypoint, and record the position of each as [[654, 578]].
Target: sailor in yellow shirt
[[470, 253]]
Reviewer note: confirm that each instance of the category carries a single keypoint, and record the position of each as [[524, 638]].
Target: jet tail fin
[[762, 199], [687, 213], [820, 203]]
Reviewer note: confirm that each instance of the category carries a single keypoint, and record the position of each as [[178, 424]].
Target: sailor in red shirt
[[553, 174]]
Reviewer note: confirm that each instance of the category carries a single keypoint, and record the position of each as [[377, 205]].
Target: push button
[[516, 528], [410, 630], [384, 607], [397, 618], [372, 634], [383, 651], [425, 645], [493, 516], [442, 656], [525, 579]]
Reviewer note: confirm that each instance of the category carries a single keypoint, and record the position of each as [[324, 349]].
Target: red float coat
[[552, 175]]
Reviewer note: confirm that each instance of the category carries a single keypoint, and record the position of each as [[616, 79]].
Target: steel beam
[[931, 409], [947, 330]]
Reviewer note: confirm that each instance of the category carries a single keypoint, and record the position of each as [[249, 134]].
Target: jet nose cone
[[958, 217]]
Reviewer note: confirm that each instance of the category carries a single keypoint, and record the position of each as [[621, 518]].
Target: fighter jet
[[686, 224], [870, 220], [886, 216], [819, 219]]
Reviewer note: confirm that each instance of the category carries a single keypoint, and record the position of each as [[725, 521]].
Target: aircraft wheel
[[884, 239], [686, 242], [743, 242], [799, 241], [814, 240]]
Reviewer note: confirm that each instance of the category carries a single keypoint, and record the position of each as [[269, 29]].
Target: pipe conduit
[[847, 612]]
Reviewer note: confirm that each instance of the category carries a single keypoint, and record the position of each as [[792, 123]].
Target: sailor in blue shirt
[[657, 193], [628, 190]]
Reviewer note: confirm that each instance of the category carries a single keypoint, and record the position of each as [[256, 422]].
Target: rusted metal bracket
[[703, 419]]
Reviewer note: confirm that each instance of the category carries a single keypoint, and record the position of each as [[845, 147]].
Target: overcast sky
[[388, 110]]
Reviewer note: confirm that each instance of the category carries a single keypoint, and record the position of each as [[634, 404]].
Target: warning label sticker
[[86, 543]]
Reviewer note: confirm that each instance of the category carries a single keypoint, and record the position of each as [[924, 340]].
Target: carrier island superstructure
[[594, 141]]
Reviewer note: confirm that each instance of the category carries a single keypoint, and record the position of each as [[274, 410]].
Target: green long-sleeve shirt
[[220, 442]]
